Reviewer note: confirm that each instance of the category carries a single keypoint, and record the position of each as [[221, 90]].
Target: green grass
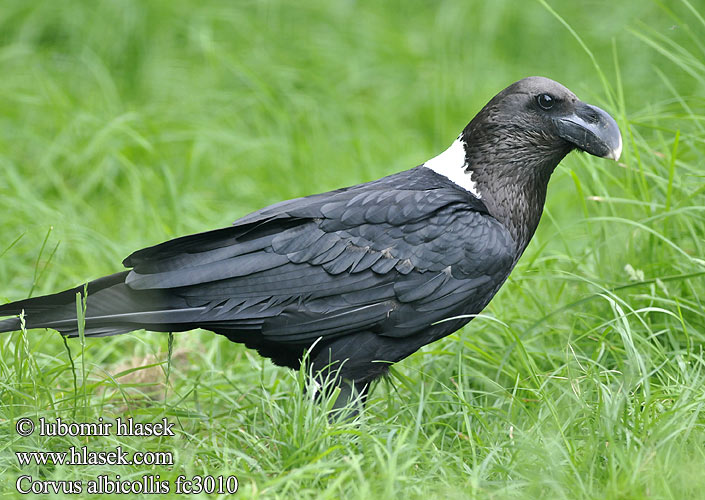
[[126, 123]]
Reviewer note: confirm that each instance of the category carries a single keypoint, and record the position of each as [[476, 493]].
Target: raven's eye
[[545, 101]]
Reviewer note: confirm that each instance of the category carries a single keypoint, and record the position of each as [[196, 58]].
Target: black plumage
[[362, 274]]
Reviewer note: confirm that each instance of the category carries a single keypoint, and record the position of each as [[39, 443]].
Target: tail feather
[[112, 308], [61, 299], [10, 324]]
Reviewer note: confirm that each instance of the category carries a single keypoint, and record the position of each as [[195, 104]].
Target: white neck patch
[[451, 164]]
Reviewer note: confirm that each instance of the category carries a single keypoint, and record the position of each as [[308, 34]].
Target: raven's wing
[[391, 256]]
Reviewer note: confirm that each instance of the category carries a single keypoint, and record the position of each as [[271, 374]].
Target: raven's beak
[[592, 130]]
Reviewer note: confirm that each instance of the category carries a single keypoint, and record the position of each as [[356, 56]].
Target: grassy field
[[124, 123]]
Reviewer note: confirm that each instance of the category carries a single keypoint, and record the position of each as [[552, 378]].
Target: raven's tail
[[10, 324], [112, 308]]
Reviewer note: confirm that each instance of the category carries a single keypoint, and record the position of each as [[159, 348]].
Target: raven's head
[[506, 154], [539, 113]]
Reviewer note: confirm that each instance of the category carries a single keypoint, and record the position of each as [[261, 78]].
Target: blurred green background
[[123, 123]]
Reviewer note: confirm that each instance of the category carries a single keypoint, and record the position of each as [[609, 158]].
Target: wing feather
[[390, 256]]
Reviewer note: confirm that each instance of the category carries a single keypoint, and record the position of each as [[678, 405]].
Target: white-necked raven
[[361, 276]]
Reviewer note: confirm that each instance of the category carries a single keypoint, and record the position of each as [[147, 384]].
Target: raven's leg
[[351, 395], [350, 363], [351, 399]]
